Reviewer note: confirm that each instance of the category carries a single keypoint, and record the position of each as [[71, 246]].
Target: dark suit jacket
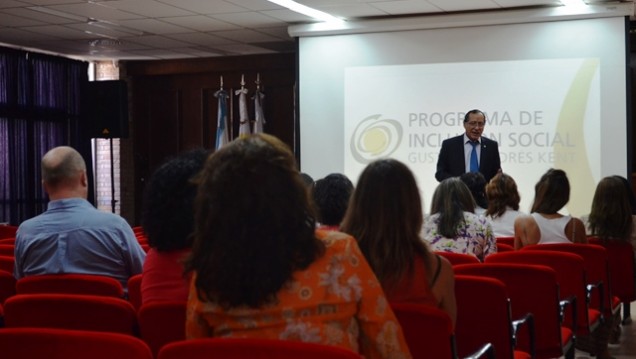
[[451, 160]]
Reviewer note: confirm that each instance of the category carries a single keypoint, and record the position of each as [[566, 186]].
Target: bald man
[[72, 236]]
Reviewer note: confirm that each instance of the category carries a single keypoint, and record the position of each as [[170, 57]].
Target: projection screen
[[554, 94]]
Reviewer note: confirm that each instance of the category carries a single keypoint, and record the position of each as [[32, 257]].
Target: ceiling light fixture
[[573, 3], [306, 10]]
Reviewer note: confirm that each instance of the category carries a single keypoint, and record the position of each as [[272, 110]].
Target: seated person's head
[[502, 193], [331, 196], [64, 173], [452, 195], [552, 192], [611, 214], [476, 183], [254, 225], [168, 207]]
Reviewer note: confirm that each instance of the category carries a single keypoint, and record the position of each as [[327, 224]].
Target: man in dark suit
[[457, 152]]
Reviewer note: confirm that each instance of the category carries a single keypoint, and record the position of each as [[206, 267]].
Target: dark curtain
[[40, 108]]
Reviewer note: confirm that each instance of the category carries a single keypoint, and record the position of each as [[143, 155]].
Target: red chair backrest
[[6, 263], [532, 289], [458, 258], [245, 348], [570, 272], [596, 266], [621, 266], [9, 240], [490, 324], [7, 250], [7, 285], [27, 343], [71, 311], [161, 323], [134, 290], [70, 284], [506, 240], [428, 331], [502, 247], [7, 231]]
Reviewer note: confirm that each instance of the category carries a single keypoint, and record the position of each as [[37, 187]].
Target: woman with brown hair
[[385, 216], [503, 204], [261, 270], [453, 226], [544, 224]]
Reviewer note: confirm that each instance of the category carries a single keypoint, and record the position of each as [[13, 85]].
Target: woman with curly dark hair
[[385, 216], [262, 270], [168, 221], [331, 197]]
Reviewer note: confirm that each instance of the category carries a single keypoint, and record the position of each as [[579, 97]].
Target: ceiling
[[171, 29]]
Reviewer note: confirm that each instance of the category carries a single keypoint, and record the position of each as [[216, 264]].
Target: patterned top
[[475, 237], [336, 301]]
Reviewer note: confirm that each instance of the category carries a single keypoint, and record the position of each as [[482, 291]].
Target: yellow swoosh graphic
[[570, 125]]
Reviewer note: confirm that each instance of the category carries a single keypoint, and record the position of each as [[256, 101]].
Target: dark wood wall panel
[[173, 107]]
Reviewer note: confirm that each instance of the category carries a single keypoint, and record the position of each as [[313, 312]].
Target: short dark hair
[[476, 183], [474, 112], [168, 207], [331, 196]]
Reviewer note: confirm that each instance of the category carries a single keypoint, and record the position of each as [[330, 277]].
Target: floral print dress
[[474, 237], [336, 301]]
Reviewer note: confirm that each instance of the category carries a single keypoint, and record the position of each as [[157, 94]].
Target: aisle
[[627, 347]]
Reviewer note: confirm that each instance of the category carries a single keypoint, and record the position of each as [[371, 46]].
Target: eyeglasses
[[476, 124]]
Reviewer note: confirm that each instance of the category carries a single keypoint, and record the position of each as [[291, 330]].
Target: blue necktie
[[474, 164]]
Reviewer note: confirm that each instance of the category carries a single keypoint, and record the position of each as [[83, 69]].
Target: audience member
[[503, 204], [385, 216], [168, 221], [611, 219], [331, 196], [545, 224], [72, 236], [476, 183], [262, 270], [452, 225]]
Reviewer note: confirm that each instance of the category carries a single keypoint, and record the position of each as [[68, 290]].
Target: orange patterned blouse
[[336, 301]]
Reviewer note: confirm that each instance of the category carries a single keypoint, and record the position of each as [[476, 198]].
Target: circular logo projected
[[374, 138]]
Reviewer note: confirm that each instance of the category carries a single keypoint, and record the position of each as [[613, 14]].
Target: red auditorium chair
[[71, 311], [10, 240], [596, 271], [49, 343], [429, 332], [134, 290], [502, 247], [570, 271], [510, 241], [621, 268], [7, 250], [161, 323], [531, 289], [7, 285], [70, 284], [7, 231], [246, 348], [458, 258], [492, 321], [6, 263]]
